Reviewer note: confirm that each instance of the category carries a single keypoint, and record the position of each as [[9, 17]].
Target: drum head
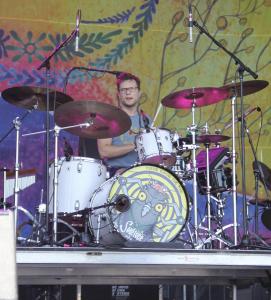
[[158, 204]]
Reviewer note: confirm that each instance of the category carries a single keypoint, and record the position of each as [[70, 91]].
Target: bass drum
[[158, 207]]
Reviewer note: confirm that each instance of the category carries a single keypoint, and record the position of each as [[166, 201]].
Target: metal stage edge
[[95, 266]]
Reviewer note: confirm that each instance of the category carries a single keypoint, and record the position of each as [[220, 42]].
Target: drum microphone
[[122, 203], [68, 151], [145, 120], [190, 23], [246, 114], [78, 21]]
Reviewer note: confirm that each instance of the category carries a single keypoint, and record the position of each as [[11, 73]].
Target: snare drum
[[77, 181], [155, 146], [158, 206]]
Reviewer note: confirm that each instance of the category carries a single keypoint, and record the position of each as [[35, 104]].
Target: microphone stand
[[258, 172], [116, 73], [46, 64], [241, 69]]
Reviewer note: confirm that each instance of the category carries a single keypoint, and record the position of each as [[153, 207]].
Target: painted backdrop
[[148, 38]]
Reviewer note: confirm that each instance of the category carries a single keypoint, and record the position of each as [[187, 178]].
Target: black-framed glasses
[[129, 89]]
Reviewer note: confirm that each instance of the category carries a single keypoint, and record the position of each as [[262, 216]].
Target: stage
[[100, 266]]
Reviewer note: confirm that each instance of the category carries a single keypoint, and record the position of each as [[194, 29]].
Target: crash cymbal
[[29, 96], [211, 138], [202, 97], [108, 120], [249, 87]]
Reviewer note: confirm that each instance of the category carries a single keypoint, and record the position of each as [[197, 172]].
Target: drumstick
[[156, 114]]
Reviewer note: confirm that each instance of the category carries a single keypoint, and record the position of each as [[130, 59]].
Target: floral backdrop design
[[148, 38]]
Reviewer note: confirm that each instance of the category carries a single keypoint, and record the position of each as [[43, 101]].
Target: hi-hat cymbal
[[204, 139], [211, 138], [249, 87], [201, 96], [108, 120], [30, 97]]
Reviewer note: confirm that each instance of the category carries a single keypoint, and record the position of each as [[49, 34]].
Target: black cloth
[[88, 148]]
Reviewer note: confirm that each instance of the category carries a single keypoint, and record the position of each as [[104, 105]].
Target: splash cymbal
[[30, 97], [249, 87], [108, 120], [201, 96]]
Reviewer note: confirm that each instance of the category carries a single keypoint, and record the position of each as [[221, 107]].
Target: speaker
[[8, 278]]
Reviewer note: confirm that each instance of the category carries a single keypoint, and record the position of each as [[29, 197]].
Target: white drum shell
[[155, 146], [77, 181]]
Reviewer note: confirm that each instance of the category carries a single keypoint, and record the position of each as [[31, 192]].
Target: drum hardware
[[192, 98], [38, 234], [29, 98], [209, 162], [57, 130], [121, 203], [242, 89]]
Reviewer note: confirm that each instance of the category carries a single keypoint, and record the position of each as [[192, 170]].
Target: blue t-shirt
[[130, 158]]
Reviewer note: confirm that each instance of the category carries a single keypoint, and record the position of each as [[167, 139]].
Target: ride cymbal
[[30, 97], [200, 96], [108, 120], [249, 87]]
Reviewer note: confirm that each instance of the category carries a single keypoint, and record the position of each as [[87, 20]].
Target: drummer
[[119, 152]]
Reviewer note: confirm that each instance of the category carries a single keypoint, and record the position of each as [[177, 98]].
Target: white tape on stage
[[8, 280]]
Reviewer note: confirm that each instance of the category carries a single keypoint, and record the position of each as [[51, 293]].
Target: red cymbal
[[108, 120], [211, 138], [201, 96], [249, 87]]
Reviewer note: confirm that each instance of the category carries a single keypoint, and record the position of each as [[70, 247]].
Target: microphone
[[190, 23], [145, 120], [78, 21], [122, 203], [68, 151], [246, 113]]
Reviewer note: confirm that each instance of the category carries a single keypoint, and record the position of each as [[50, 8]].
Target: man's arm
[[107, 150]]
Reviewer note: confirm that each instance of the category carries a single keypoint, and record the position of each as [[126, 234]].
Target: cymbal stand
[[17, 125], [192, 129], [234, 184], [208, 187], [57, 130]]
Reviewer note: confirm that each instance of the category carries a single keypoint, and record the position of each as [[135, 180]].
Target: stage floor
[[92, 266]]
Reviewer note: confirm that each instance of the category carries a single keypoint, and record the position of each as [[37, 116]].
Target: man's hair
[[127, 76]]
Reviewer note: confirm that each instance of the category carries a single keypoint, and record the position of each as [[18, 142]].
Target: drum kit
[[149, 201]]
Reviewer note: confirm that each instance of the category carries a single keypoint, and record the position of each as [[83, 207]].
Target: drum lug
[[79, 167], [77, 205]]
